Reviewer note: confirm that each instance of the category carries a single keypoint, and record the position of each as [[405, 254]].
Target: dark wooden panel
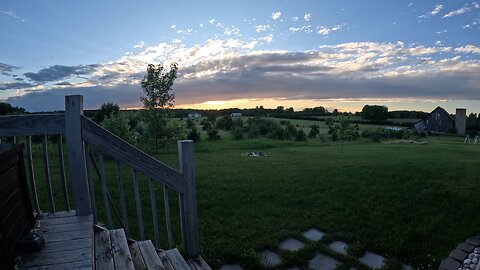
[[34, 124]]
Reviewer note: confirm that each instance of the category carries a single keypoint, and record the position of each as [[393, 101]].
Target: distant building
[[236, 114], [194, 115], [461, 121], [438, 120]]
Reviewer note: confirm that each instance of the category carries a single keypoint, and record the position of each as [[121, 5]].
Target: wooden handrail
[[128, 154], [32, 124]]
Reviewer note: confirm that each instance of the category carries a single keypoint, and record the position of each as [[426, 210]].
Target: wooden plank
[[46, 168], [91, 188], [32, 124], [31, 173], [103, 251], [67, 236], [121, 253], [60, 257], [150, 256], [59, 214], [63, 180], [54, 247], [104, 190], [198, 263], [121, 195], [153, 201], [138, 204], [176, 259], [76, 155], [137, 258], [168, 221], [188, 199], [80, 265], [166, 263], [110, 144], [56, 228]]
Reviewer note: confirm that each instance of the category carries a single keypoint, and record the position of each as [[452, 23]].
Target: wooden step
[[145, 256], [111, 250]]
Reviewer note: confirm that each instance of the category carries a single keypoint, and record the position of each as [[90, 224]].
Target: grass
[[411, 203]]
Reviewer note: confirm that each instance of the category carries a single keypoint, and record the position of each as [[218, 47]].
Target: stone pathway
[[339, 247], [465, 257], [271, 258], [323, 262], [291, 244], [372, 260]]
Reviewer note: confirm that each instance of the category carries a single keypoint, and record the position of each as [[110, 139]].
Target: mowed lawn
[[414, 203], [411, 203]]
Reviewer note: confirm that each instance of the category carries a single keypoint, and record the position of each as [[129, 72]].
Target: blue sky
[[338, 54]]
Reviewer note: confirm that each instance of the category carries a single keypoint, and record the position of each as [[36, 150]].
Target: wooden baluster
[[168, 220], [153, 201], [91, 190], [138, 203], [46, 167], [188, 203], [101, 168], [32, 174], [121, 195], [62, 172]]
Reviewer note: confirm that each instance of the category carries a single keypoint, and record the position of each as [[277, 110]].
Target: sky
[[413, 55]]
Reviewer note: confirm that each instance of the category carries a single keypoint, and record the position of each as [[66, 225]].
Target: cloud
[[276, 15], [212, 21], [295, 18], [233, 69], [173, 26], [306, 17], [465, 9], [457, 12], [432, 13], [59, 72], [325, 31], [410, 4], [15, 85], [6, 69], [262, 28], [468, 49], [268, 38], [12, 14], [232, 31], [139, 45]]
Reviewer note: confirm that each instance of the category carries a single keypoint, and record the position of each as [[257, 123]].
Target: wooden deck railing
[[85, 140]]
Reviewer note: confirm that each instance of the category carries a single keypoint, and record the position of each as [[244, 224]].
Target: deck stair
[[113, 251]]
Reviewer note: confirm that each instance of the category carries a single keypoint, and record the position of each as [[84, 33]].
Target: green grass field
[[411, 203]]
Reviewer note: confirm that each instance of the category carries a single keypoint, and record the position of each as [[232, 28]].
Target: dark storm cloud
[[59, 72], [94, 97], [281, 75], [15, 85], [6, 69]]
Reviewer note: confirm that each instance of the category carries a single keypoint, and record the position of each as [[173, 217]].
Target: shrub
[[300, 136], [237, 133], [213, 134], [194, 134], [314, 131]]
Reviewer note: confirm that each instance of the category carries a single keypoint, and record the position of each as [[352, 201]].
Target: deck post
[[76, 154], [188, 201]]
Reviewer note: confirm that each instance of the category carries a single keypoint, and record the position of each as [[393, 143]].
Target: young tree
[[107, 109], [159, 96]]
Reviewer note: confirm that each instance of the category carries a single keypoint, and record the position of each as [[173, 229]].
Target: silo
[[461, 121]]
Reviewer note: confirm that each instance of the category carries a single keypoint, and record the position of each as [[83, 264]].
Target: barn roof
[[438, 108]]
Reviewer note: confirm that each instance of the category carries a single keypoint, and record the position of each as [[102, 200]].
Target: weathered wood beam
[[128, 154], [32, 124]]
